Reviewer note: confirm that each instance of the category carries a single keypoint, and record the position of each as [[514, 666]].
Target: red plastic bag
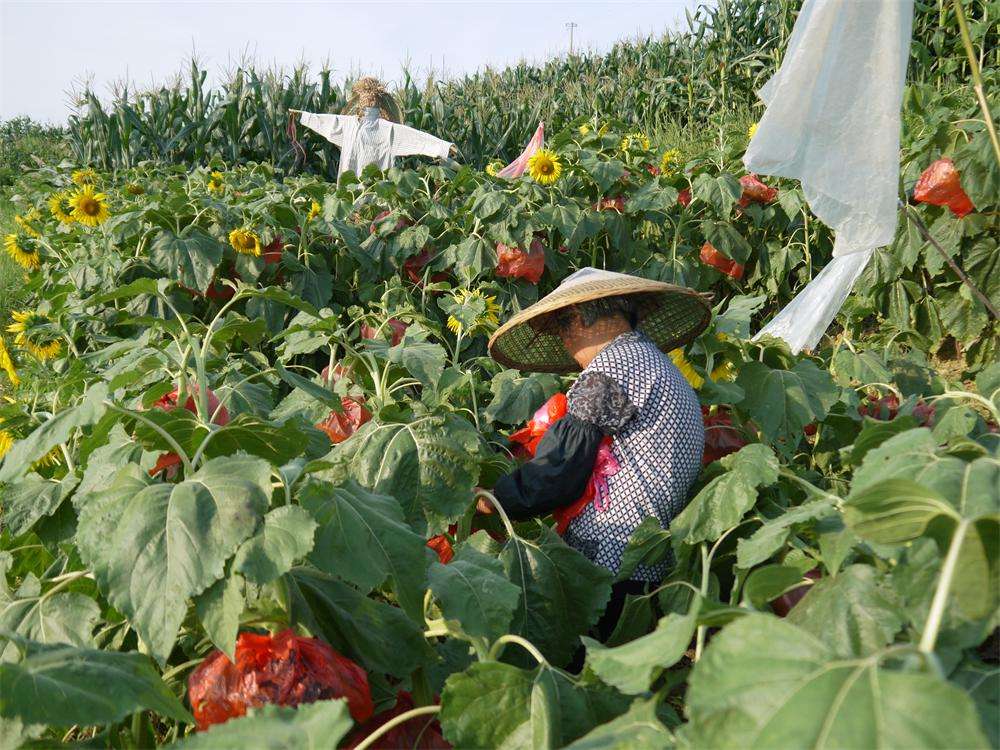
[[526, 439], [712, 257], [333, 376], [420, 732], [396, 326], [755, 191], [284, 669], [341, 425], [168, 462], [684, 197], [442, 546], [784, 603], [610, 204], [940, 185], [885, 408], [414, 266], [721, 438], [513, 262]]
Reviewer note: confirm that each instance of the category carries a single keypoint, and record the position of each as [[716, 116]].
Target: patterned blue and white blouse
[[634, 393]]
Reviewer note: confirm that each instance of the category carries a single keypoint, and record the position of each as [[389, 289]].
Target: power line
[[571, 25]]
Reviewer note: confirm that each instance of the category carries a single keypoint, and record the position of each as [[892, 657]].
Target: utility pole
[[571, 26]]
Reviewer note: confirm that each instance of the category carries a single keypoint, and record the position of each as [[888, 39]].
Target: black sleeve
[[557, 475]]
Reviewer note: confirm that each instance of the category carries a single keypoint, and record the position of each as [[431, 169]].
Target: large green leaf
[[64, 617], [190, 257], [722, 502], [782, 402], [488, 705], [854, 614], [63, 685], [912, 455], [363, 538], [53, 432], [720, 192], [375, 634], [219, 608], [605, 172], [32, 498], [153, 546], [516, 398], [286, 536], [772, 534], [633, 667], [765, 683], [309, 726], [637, 729], [562, 593], [428, 464], [473, 591], [648, 545]]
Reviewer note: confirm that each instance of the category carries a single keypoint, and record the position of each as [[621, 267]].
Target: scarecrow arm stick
[[925, 233]]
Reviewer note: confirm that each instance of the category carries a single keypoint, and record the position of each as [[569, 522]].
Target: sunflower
[[544, 167], [314, 210], [42, 343], [751, 130], [6, 442], [89, 207], [635, 140], [23, 251], [134, 188], [27, 221], [472, 310], [85, 177], [216, 182], [7, 365], [670, 161], [687, 369], [493, 167], [584, 129], [724, 372], [245, 242], [61, 208]]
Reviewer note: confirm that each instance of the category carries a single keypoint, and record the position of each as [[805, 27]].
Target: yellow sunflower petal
[[245, 242], [687, 369], [7, 363], [544, 167], [24, 253], [89, 206]]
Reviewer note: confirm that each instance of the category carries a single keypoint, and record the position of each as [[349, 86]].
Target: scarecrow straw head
[[371, 92]]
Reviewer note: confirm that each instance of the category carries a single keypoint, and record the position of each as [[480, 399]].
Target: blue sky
[[49, 46]]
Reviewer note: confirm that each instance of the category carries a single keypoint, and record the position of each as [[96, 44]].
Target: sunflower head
[[544, 167], [245, 242], [687, 369], [724, 372], [23, 250], [670, 161], [29, 223], [61, 208], [134, 188], [493, 167], [314, 210], [584, 129], [90, 208], [751, 130], [471, 310], [6, 441], [35, 332], [84, 176], [216, 183], [7, 365], [637, 141]]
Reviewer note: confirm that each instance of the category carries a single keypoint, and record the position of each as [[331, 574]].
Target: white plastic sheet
[[832, 122]]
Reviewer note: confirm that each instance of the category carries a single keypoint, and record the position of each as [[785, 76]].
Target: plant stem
[[977, 78], [699, 643], [503, 514], [503, 640], [934, 617], [395, 722]]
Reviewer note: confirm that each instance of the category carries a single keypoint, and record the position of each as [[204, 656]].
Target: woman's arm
[[557, 475]]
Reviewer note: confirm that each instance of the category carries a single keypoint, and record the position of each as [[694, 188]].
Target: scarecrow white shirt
[[372, 140]]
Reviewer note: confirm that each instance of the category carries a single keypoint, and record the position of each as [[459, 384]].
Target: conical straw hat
[[670, 315]]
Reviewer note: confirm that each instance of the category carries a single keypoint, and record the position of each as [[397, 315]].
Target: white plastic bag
[[832, 121]]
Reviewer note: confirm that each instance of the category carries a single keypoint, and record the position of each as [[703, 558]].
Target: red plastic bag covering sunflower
[[755, 191], [284, 669], [414, 266], [513, 262], [721, 438], [396, 326], [442, 546], [169, 462], [712, 257], [684, 197], [527, 439], [940, 185], [341, 425], [419, 733]]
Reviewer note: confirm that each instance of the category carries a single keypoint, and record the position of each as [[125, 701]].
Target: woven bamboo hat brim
[[670, 315]]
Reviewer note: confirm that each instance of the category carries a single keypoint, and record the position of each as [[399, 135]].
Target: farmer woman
[[615, 328]]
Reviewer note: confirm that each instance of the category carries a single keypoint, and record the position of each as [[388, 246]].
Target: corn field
[[681, 80]]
